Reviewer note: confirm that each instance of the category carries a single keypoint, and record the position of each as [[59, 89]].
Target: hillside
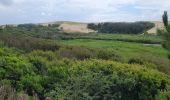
[[71, 27], [80, 27]]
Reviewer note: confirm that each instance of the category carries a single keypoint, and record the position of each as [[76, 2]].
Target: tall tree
[[165, 19], [166, 35]]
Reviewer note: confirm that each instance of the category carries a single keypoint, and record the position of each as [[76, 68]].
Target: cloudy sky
[[33, 11]]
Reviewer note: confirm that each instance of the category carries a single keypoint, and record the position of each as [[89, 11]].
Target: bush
[[80, 53], [109, 55], [13, 68], [136, 61], [47, 75], [97, 79], [150, 61], [29, 43]]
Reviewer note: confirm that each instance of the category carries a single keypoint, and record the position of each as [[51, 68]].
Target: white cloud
[[25, 11]]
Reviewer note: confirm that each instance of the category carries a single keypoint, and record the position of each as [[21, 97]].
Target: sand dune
[[158, 25], [74, 27]]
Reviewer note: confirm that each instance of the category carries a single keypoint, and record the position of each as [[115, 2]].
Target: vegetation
[[48, 75], [33, 30], [130, 28], [34, 65], [148, 39], [165, 19], [165, 33], [52, 32], [153, 54]]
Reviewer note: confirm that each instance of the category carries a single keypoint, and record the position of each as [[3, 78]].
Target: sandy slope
[[74, 27], [158, 25], [71, 27]]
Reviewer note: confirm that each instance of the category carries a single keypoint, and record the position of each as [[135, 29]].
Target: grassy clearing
[[124, 48]]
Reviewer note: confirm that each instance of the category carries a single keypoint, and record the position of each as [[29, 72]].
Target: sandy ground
[[71, 27], [75, 27], [158, 25]]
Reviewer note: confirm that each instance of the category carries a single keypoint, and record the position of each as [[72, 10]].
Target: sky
[[37, 11]]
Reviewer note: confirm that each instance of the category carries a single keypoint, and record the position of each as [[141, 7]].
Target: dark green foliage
[[80, 53], [33, 30], [109, 55], [165, 19], [160, 32], [28, 43], [92, 26], [136, 61], [130, 28], [166, 34]]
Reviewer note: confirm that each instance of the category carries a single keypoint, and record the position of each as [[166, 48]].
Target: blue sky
[[35, 11]]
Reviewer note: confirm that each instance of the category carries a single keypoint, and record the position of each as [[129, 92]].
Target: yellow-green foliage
[[47, 74], [100, 79]]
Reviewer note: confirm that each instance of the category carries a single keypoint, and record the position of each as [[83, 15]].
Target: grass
[[127, 49], [152, 39]]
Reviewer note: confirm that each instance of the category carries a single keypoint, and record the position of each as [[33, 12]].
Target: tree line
[[121, 27]]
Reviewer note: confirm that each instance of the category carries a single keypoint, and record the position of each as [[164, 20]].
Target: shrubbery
[[152, 62], [46, 74], [80, 53], [130, 28], [105, 80], [28, 43], [32, 30], [43, 68]]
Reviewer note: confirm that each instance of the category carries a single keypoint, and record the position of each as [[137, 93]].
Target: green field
[[125, 48], [152, 39]]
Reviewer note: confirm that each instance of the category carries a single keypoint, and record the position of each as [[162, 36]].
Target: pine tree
[[166, 35], [165, 19]]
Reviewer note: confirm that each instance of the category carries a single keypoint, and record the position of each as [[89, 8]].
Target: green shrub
[[98, 80], [28, 43], [108, 55], [47, 75], [80, 53], [158, 63], [13, 67]]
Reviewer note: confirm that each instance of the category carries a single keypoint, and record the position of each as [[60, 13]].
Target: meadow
[[127, 49], [140, 38]]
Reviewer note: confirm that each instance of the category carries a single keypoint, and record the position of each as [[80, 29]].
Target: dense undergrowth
[[49, 75], [39, 68]]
